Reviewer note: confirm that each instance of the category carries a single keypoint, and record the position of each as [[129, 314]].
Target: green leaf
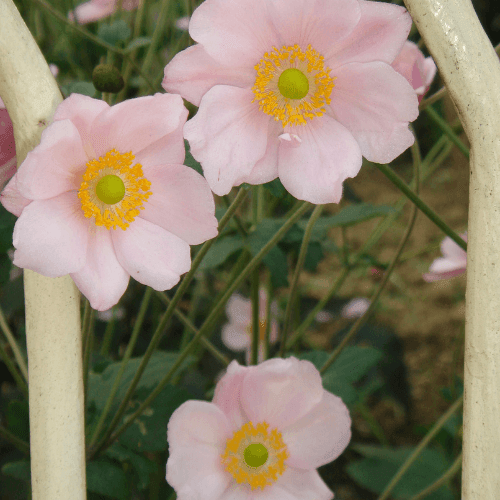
[[276, 262], [314, 255], [149, 431], [381, 464], [107, 478], [84, 88], [113, 33], [19, 470], [266, 229], [275, 187], [137, 43], [5, 267], [142, 466], [220, 251], [18, 421], [190, 161], [100, 384]]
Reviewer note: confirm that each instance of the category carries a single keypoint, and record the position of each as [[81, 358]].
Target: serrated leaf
[[149, 431], [113, 33], [106, 478], [19, 470], [381, 464], [220, 251], [137, 43]]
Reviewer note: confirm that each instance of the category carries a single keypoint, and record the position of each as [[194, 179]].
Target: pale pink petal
[[89, 12], [54, 70], [445, 265], [82, 111], [7, 170], [102, 279], [50, 236], [431, 277], [7, 144], [452, 251], [227, 136], [181, 203], [355, 308], [281, 391], [55, 165], [239, 309], [296, 484], [135, 124], [378, 36], [320, 23], [228, 393], [192, 73], [151, 255], [375, 103], [197, 433], [430, 69], [236, 33], [266, 169], [316, 169], [182, 23], [235, 336], [320, 436], [237, 491], [12, 199]]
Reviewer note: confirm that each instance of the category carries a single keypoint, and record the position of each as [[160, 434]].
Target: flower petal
[[295, 484], [181, 203], [236, 33], [192, 73], [135, 124], [378, 36], [12, 199], [235, 337], [55, 165], [452, 251], [7, 144], [320, 23], [227, 136], [239, 309], [82, 111], [320, 436], [151, 255], [228, 392], [444, 275], [327, 155], [197, 432], [102, 279], [89, 12], [375, 103], [281, 391], [50, 236]]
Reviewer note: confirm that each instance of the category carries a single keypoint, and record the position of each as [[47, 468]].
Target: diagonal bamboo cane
[[57, 441], [471, 71]]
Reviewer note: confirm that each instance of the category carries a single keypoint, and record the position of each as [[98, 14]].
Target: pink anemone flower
[[453, 263], [7, 147], [417, 69], [295, 89], [105, 196], [89, 12], [237, 333], [266, 431]]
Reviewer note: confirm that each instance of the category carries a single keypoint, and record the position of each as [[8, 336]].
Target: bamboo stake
[[53, 335], [471, 71]]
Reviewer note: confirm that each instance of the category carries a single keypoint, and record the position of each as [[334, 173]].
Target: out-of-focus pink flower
[[295, 89], [417, 69], [237, 333], [355, 308], [268, 426], [88, 12], [7, 147], [182, 23], [105, 196], [54, 69], [116, 313], [453, 262]]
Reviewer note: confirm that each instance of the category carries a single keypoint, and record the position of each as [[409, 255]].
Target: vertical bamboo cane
[[471, 72], [57, 437]]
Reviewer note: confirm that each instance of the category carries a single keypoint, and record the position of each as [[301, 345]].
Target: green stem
[[13, 345], [21, 445], [295, 280], [455, 467], [269, 290], [126, 357], [236, 219], [401, 185], [21, 383], [443, 125], [362, 320], [163, 323], [254, 284], [421, 446], [88, 343], [208, 324], [108, 336]]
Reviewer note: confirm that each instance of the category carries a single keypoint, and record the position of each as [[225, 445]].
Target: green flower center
[[255, 455], [110, 189], [293, 84]]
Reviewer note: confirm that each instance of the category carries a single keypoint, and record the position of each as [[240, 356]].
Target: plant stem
[[21, 383], [21, 363], [21, 445]]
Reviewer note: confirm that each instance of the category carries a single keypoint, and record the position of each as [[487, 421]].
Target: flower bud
[[107, 78]]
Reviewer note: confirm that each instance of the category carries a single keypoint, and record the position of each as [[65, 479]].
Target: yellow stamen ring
[[289, 96], [113, 191], [255, 456]]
